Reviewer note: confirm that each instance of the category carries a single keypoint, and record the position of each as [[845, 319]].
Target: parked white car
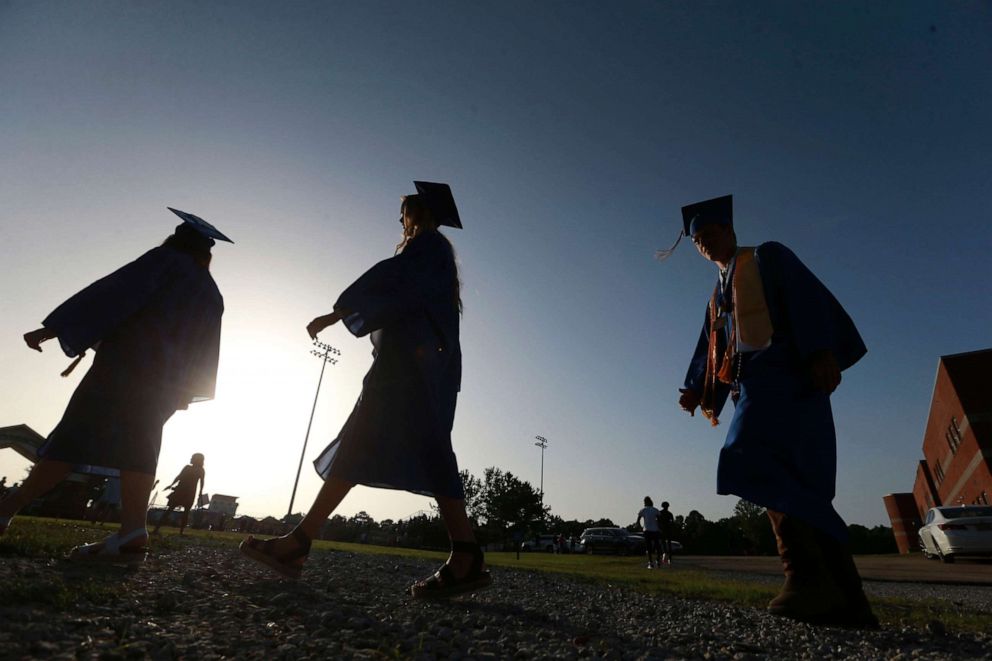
[[540, 543], [948, 532]]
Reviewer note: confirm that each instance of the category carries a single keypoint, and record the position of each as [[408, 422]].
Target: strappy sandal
[[444, 583], [113, 550], [289, 564]]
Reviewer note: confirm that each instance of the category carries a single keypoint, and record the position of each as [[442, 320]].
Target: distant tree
[[505, 501], [573, 527], [335, 528], [293, 519], [473, 488], [423, 531], [553, 523], [756, 534], [362, 521], [863, 541]]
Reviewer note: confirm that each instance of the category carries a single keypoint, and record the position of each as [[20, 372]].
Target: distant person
[[399, 434], [776, 340], [184, 492], [517, 535], [155, 328], [666, 524], [108, 500], [649, 516]]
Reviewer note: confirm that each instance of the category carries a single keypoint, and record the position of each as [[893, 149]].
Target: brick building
[[957, 446]]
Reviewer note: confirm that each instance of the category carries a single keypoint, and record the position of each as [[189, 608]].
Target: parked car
[[637, 544], [608, 540], [540, 543], [948, 532]]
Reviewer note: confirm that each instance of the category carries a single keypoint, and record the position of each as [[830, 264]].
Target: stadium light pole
[[543, 444], [327, 355]]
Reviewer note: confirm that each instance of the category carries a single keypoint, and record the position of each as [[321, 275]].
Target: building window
[[953, 435], [939, 472]]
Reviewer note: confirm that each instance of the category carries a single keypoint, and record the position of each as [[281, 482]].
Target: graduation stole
[[752, 324]]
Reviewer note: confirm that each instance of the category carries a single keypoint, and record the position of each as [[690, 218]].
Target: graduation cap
[[719, 211], [440, 201], [201, 226]]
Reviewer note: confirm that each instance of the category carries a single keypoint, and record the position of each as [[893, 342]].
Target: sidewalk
[[912, 568]]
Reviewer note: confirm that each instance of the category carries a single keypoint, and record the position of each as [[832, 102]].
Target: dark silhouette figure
[[184, 492], [666, 522], [155, 327], [399, 434], [649, 516]]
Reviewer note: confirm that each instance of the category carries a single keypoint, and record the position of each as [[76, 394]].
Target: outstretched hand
[[689, 400], [320, 323], [824, 371], [36, 337]]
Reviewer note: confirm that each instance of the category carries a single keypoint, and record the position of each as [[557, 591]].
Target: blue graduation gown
[[780, 451], [157, 322], [399, 434]]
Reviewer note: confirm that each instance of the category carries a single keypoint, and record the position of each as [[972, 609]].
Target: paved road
[[912, 568]]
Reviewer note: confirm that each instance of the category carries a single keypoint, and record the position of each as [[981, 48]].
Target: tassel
[[662, 255], [68, 370]]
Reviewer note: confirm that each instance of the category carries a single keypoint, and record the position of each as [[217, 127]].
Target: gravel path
[[973, 597], [208, 603]]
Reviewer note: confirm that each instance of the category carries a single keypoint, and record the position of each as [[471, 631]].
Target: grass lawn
[[47, 538]]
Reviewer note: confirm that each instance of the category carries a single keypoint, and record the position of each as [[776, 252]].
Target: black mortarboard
[[440, 201], [719, 210], [201, 226]]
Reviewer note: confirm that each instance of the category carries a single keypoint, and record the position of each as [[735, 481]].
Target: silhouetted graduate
[[399, 434], [155, 326]]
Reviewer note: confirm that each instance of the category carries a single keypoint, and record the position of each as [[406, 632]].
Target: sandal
[[113, 549], [444, 583], [289, 564]]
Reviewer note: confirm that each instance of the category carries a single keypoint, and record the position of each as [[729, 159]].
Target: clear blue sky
[[571, 133]]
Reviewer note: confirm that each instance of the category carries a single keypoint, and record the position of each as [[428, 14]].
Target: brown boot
[[857, 611], [809, 594]]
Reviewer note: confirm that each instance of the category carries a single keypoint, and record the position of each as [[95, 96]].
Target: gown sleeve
[[696, 374], [204, 357], [396, 287], [815, 318], [91, 314]]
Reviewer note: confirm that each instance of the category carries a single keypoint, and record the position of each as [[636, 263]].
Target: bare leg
[[135, 489], [184, 520], [43, 478], [459, 530], [327, 500]]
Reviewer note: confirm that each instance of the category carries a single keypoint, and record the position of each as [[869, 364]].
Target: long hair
[[423, 220]]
